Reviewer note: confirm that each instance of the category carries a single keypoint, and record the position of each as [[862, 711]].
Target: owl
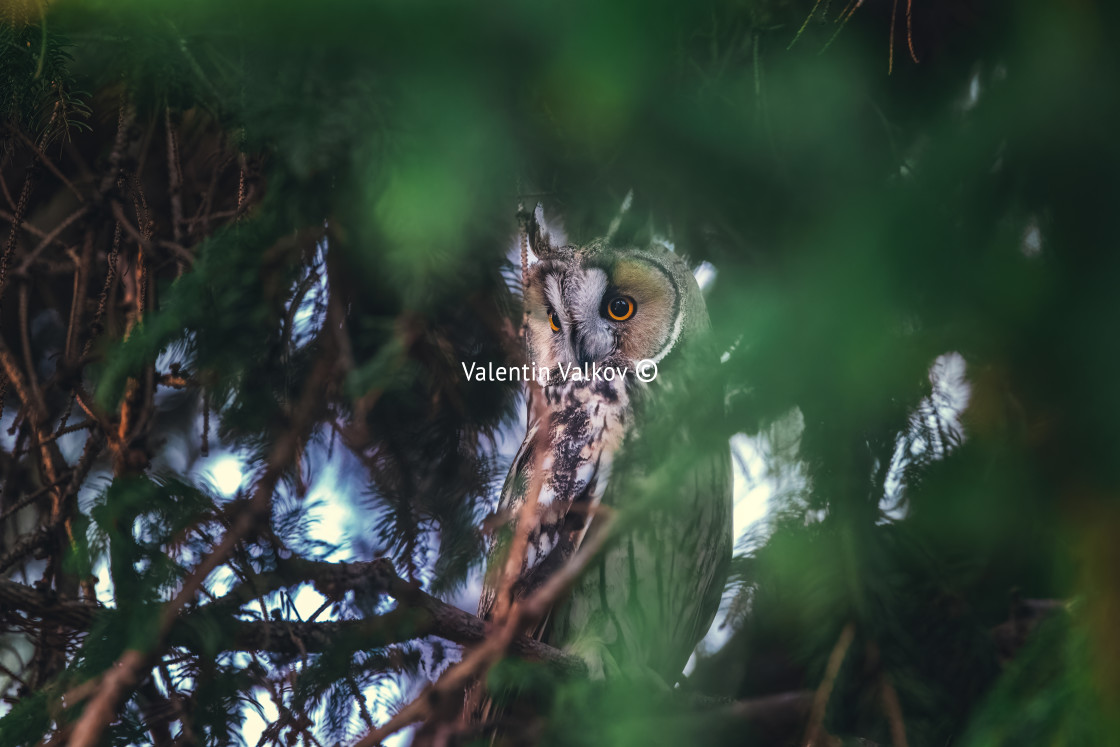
[[645, 602]]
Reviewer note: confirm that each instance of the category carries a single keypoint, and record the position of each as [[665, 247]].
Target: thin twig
[[174, 177], [888, 697], [24, 546], [31, 228], [893, 708], [63, 432], [910, 32], [25, 344], [17, 222], [122, 220], [824, 691], [890, 54], [51, 237], [121, 142], [47, 162]]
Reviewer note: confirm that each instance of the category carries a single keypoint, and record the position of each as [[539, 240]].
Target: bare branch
[[417, 615], [814, 732]]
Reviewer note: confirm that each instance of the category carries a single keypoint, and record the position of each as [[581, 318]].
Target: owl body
[[650, 596]]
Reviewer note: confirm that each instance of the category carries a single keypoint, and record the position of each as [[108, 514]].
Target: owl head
[[609, 304]]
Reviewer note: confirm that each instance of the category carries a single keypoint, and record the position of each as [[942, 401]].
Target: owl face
[[609, 305]]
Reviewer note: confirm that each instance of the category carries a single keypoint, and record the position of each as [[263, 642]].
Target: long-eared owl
[[651, 595]]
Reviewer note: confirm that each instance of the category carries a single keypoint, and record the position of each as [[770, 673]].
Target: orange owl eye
[[621, 308], [552, 322]]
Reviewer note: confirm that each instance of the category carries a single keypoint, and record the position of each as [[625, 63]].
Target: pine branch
[[45, 605], [24, 547], [417, 615], [127, 673]]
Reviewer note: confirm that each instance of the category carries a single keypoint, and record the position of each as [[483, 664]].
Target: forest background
[[247, 247]]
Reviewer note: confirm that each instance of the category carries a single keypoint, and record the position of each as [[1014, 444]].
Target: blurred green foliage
[[862, 225]]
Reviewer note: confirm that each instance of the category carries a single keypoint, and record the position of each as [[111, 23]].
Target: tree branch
[[24, 546], [118, 681], [418, 614]]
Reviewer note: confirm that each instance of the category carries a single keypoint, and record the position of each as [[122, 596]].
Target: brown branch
[[27, 500], [144, 242], [426, 615], [174, 177], [360, 699], [792, 705], [417, 615], [186, 736], [183, 252], [174, 381], [63, 431], [218, 214], [293, 306], [78, 295], [295, 638], [522, 613], [202, 214], [23, 547], [129, 669], [98, 321], [241, 195], [31, 228], [893, 708], [33, 404], [51, 237], [88, 405], [888, 697], [17, 222], [45, 605], [123, 147], [814, 732], [5, 157], [158, 713], [46, 161], [528, 520], [25, 345]]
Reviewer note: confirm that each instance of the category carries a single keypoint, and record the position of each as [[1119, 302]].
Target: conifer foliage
[[272, 236]]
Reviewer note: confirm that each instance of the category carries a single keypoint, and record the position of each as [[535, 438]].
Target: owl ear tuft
[[533, 225]]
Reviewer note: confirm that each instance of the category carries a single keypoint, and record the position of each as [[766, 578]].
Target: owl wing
[[652, 596]]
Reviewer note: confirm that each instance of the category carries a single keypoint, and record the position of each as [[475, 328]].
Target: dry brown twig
[[814, 733], [174, 177], [893, 708], [51, 238], [31, 253], [37, 149], [888, 698]]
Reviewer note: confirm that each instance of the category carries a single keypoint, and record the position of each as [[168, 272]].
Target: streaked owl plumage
[[650, 597]]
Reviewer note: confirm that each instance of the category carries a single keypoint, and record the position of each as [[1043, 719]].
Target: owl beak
[[592, 347]]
